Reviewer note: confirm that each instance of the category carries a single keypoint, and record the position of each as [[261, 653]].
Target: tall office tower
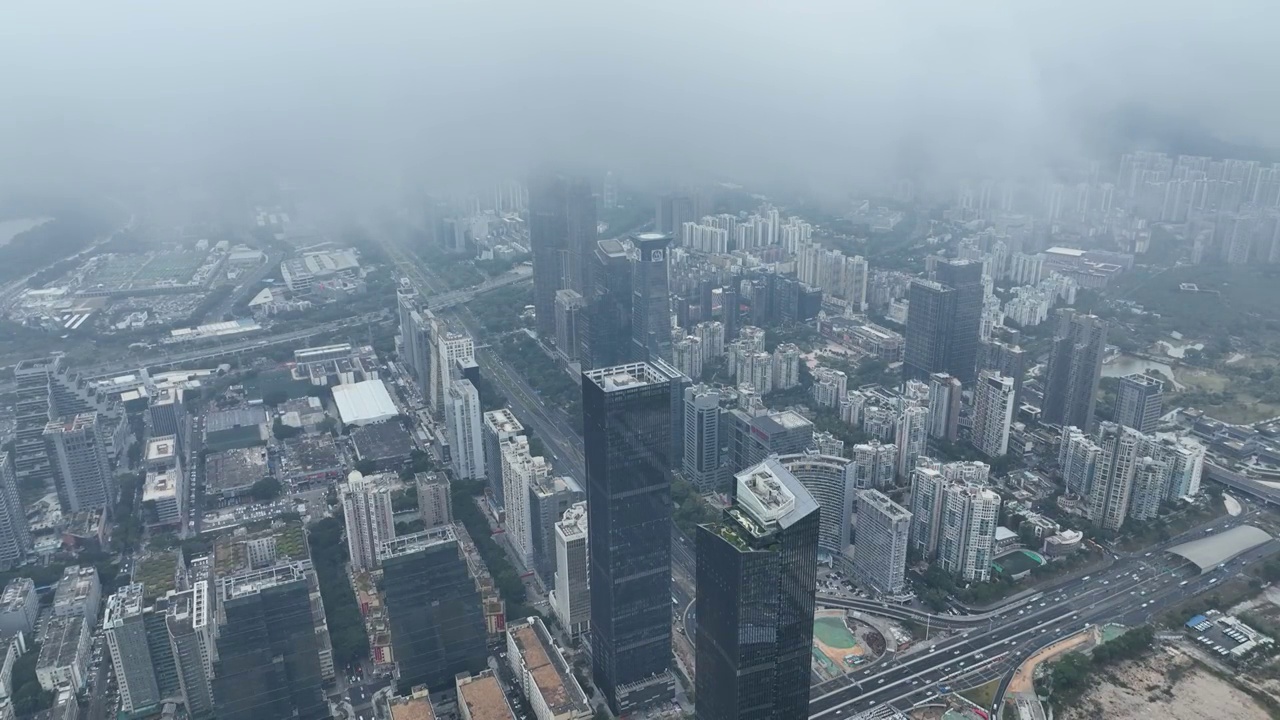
[[674, 210], [435, 501], [944, 407], [562, 232], [932, 306], [1006, 357], [571, 594], [1075, 368], [1113, 484], [992, 413], [829, 479], [167, 415], [79, 452], [15, 534], [462, 421], [415, 338], [757, 569], [605, 321], [32, 462], [874, 464], [520, 472], [449, 349], [498, 426], [965, 278], [568, 304], [627, 421], [702, 438], [550, 498], [752, 438], [268, 647], [651, 297], [912, 438], [1139, 402], [1078, 458], [138, 641], [189, 619], [880, 548], [366, 507], [433, 605]]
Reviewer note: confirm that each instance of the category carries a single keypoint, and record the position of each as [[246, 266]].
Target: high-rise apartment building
[[874, 464], [1004, 355], [32, 462], [1074, 369], [366, 507], [450, 349], [15, 533], [953, 518], [830, 481], [1121, 452], [992, 413], [651, 297], [415, 338], [701, 464], [497, 427], [83, 471], [462, 423], [1185, 458], [757, 569], [911, 435], [434, 608], [1078, 458], [550, 497], [1139, 402], [571, 595], [627, 429], [520, 472], [944, 407], [435, 501], [880, 548]]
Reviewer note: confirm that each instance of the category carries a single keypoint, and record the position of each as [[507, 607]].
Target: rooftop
[[884, 504], [484, 697], [417, 707], [124, 603], [625, 377], [557, 686], [574, 522], [246, 550], [764, 494], [162, 448], [364, 402], [60, 640], [382, 441], [16, 594], [157, 572], [1218, 548], [406, 544], [221, 420], [504, 421], [77, 583], [236, 469], [162, 485]]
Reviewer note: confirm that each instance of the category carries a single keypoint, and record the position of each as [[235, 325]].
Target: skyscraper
[[880, 549], [830, 481], [912, 438], [953, 518], [189, 619], [757, 569], [433, 605], [571, 597], [434, 499], [497, 427], [366, 508], [1074, 369], [83, 473], [449, 349], [138, 641], [1139, 401], [929, 312], [268, 657], [651, 297], [674, 210], [944, 407], [562, 233], [32, 462], [1121, 451], [549, 499], [702, 438], [965, 277], [605, 320], [415, 338], [627, 421], [520, 472], [15, 534], [992, 413], [462, 422]]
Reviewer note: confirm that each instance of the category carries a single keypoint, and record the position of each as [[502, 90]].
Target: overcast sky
[[821, 92]]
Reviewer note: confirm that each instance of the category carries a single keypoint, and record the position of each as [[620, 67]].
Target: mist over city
[[642, 361]]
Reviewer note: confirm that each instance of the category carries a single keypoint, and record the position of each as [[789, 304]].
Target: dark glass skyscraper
[[757, 570], [930, 308], [627, 411], [433, 605], [268, 659], [605, 323], [943, 322], [651, 297], [562, 236], [965, 278], [1075, 368]]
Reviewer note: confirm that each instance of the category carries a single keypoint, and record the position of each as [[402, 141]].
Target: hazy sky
[[820, 92]]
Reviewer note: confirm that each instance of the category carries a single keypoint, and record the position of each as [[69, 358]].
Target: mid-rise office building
[[366, 507], [167, 415], [462, 423], [757, 572], [627, 429], [701, 464], [880, 548], [78, 592], [497, 426], [434, 607], [543, 674], [83, 475], [1074, 369], [752, 438], [19, 607], [992, 413], [571, 595], [1139, 402]]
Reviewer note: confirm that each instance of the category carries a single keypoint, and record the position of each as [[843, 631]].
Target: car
[[1106, 582], [916, 681], [880, 681]]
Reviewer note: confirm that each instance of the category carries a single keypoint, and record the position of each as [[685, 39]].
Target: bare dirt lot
[[1167, 686]]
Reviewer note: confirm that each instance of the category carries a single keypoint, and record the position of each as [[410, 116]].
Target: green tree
[[268, 488]]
